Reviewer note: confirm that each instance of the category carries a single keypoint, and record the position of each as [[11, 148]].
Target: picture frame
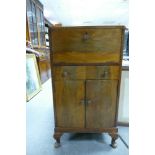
[[33, 82]]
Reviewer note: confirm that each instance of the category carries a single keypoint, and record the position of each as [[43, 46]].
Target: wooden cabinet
[[86, 71], [36, 24]]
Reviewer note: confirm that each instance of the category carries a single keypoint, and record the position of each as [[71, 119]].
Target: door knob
[[89, 101], [82, 101], [64, 74]]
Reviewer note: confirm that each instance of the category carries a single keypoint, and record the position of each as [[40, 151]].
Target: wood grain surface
[[86, 39], [100, 112], [85, 72], [70, 111], [86, 68]]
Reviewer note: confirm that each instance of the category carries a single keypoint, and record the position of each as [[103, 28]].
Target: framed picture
[[33, 83]]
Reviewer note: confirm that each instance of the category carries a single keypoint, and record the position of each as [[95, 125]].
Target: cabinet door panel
[[70, 110], [43, 70], [101, 103]]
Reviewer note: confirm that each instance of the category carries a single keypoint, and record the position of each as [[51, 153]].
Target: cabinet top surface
[[102, 26]]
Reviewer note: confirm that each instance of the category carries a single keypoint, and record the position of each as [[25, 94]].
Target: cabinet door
[[101, 103], [43, 70], [69, 103], [32, 21]]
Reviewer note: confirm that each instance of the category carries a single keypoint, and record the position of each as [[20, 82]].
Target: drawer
[[85, 72], [102, 72], [87, 44], [69, 72]]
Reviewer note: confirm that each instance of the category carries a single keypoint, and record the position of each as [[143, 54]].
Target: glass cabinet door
[[41, 27], [35, 32], [32, 20]]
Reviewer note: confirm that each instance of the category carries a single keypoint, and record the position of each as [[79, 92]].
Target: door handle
[[88, 101], [82, 101], [86, 36]]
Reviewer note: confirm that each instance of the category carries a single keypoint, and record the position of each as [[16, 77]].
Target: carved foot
[[114, 136], [113, 143], [57, 136], [56, 145]]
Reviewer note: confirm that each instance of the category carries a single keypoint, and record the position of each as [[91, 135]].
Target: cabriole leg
[[57, 136], [114, 136]]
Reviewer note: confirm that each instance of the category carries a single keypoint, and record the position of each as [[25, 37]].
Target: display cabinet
[[36, 35]]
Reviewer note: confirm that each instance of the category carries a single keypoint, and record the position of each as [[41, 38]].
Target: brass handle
[[85, 36], [64, 74], [89, 101], [82, 101]]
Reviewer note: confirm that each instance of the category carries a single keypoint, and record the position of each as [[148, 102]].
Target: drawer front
[[102, 72], [68, 72], [85, 72], [87, 44]]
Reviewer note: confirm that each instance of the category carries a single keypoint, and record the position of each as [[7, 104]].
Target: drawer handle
[[89, 101], [85, 36], [65, 74]]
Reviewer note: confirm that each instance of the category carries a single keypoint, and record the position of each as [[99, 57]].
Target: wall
[[123, 113], [86, 12]]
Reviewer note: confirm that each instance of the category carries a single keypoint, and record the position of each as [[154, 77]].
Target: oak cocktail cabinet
[[86, 70]]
